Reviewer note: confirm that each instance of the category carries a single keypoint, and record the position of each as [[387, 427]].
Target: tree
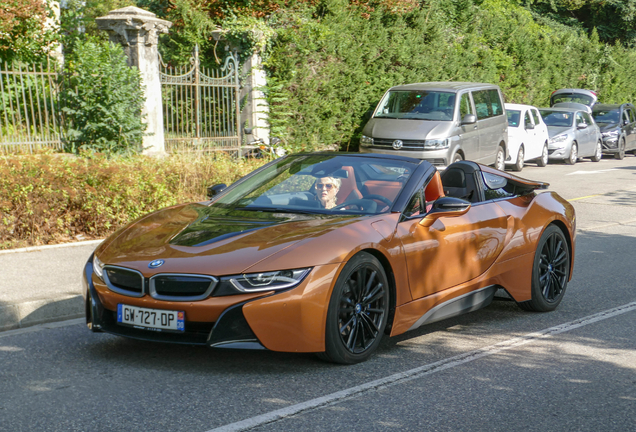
[[27, 30]]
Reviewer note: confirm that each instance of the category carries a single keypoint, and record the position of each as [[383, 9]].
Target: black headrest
[[454, 177]]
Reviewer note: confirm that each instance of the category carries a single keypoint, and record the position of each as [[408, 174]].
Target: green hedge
[[58, 198]]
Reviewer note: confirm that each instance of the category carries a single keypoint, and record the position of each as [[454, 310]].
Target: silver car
[[573, 135], [441, 122]]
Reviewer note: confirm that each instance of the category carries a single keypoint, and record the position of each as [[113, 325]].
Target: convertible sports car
[[326, 252]]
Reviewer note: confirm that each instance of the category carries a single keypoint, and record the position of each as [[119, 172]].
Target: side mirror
[[445, 207], [581, 125], [469, 119], [215, 190], [529, 126]]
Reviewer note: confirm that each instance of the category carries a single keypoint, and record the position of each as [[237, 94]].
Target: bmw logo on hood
[[156, 263]]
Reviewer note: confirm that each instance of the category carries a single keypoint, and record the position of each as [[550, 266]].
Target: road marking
[[580, 198], [592, 172], [398, 378], [39, 327]]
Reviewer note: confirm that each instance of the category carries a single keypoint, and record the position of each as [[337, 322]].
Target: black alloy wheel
[[358, 311], [621, 150], [550, 272]]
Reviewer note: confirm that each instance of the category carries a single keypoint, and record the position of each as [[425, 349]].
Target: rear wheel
[[358, 311], [519, 163], [621, 150], [543, 160], [574, 155], [550, 272], [598, 154], [500, 159]]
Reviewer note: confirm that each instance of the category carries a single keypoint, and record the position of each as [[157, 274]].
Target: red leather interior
[[387, 189], [434, 188], [348, 188]]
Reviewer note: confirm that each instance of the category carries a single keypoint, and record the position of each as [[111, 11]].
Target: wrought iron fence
[[29, 108], [201, 107]]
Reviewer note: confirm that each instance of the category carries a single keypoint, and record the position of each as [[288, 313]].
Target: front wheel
[[550, 271], [457, 157], [519, 163], [500, 159], [574, 155], [598, 154], [358, 311], [543, 160], [621, 150]]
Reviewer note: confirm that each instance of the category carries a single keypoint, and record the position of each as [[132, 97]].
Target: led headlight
[[437, 144], [558, 139], [613, 133], [98, 267], [270, 281], [366, 141]]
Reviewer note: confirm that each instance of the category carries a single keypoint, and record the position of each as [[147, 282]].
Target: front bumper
[[610, 145], [438, 158], [290, 321], [559, 153]]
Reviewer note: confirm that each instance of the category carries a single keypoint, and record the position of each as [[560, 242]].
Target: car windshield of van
[[606, 116], [557, 118], [417, 105], [513, 118], [572, 98]]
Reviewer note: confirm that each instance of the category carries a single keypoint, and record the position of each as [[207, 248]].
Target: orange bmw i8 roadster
[[328, 252]]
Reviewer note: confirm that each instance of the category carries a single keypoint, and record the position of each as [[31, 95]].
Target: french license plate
[[154, 319]]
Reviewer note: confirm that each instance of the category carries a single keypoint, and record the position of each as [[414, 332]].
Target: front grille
[[409, 145], [610, 145], [124, 281], [181, 287]]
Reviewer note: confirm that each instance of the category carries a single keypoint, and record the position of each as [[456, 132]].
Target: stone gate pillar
[[138, 31]]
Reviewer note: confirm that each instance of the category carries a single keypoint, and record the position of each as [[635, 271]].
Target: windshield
[[513, 118], [322, 184], [417, 105], [606, 116], [572, 97], [557, 118]]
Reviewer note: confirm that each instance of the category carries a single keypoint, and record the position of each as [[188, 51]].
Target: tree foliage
[[24, 32]]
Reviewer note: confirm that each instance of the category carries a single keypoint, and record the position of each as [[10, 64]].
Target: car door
[[488, 108], [540, 134], [628, 127], [632, 128], [530, 134], [469, 135], [583, 137], [452, 250]]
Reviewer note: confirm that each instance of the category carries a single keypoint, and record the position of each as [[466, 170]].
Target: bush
[[53, 198], [102, 100]]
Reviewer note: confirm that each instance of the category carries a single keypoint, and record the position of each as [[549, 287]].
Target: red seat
[[433, 190], [348, 188]]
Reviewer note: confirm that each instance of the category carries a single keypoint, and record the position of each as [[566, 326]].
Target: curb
[[31, 313], [55, 246]]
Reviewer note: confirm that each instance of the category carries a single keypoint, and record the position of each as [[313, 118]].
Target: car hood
[[406, 129], [196, 238], [558, 130]]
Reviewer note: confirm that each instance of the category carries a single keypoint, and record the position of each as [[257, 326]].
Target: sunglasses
[[327, 186]]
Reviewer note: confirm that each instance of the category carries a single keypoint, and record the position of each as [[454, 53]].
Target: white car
[[527, 136]]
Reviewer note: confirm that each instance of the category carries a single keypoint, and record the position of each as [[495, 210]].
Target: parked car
[[618, 128], [440, 122], [527, 136], [573, 98], [327, 252], [573, 135]]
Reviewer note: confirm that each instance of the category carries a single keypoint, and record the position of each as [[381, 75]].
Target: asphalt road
[[497, 369]]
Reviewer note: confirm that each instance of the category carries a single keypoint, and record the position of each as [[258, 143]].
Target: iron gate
[[201, 107]]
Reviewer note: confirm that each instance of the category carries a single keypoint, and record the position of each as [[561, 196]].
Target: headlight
[[558, 139], [437, 144], [277, 280], [611, 134], [366, 141], [98, 267]]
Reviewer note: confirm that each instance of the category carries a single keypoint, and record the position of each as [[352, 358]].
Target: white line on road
[[592, 172], [421, 371]]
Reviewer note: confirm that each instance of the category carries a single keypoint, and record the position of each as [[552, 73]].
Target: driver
[[326, 190]]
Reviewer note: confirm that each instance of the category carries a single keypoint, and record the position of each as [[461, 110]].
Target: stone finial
[[131, 25]]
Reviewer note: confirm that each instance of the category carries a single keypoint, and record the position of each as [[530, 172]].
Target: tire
[[457, 157], [500, 159], [621, 150], [550, 271], [518, 166], [574, 155], [598, 155], [543, 160], [358, 311]]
